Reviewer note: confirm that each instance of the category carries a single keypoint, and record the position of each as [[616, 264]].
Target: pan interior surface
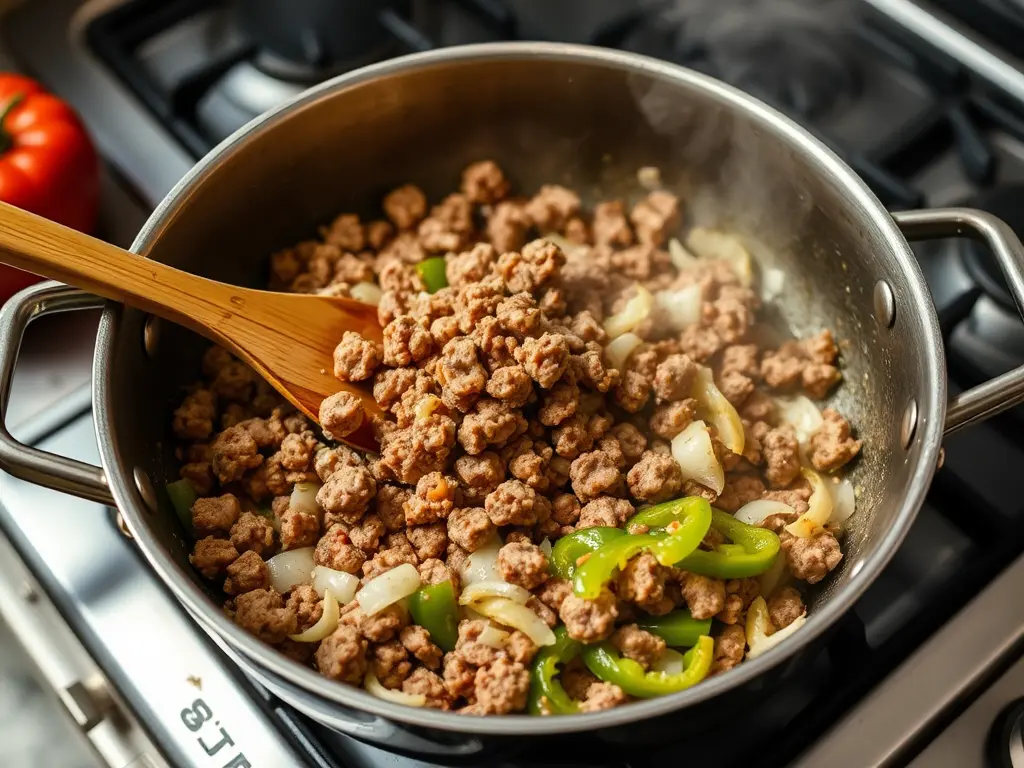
[[586, 119]]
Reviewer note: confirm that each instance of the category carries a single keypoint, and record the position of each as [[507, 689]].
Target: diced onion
[[649, 177], [670, 662], [369, 293], [754, 512], [342, 585], [682, 259], [692, 449], [773, 282], [712, 244], [493, 637], [482, 565], [713, 406], [632, 315], [374, 687], [545, 546], [819, 507], [426, 407], [619, 349], [479, 590], [844, 501], [326, 624], [291, 568], [801, 414], [517, 616], [388, 588], [566, 246], [681, 308], [761, 636], [303, 499]]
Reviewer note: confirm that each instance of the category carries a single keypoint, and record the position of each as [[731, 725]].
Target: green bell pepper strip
[[568, 549], [603, 660], [752, 552], [690, 517], [678, 629], [435, 608], [547, 696], [183, 495], [432, 272]]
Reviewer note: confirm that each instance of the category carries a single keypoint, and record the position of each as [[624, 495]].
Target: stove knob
[[1006, 738]]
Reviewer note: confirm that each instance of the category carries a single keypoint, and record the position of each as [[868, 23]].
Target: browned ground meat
[[504, 424]]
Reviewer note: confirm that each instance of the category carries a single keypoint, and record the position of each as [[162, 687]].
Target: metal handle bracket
[[1005, 391], [49, 470]]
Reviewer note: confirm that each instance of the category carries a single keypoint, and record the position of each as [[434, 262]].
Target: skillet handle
[[22, 461], [1007, 390]]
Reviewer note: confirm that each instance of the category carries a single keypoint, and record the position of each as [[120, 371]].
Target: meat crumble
[[508, 423]]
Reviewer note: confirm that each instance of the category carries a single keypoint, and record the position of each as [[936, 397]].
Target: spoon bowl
[[288, 338]]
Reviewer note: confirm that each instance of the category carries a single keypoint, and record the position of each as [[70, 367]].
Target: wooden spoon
[[289, 338]]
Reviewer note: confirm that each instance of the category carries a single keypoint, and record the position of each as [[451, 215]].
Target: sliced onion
[[670, 662], [692, 449], [493, 637], [635, 312], [517, 616], [291, 568], [369, 293], [773, 282], [304, 499], [326, 624], [801, 414], [342, 585], [761, 635], [545, 546], [712, 244], [682, 259], [713, 406], [819, 507], [482, 565], [680, 308], [388, 588], [844, 501], [479, 590], [374, 687], [649, 177], [754, 512], [776, 576], [619, 349]]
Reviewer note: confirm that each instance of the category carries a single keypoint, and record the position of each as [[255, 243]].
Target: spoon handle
[[40, 246]]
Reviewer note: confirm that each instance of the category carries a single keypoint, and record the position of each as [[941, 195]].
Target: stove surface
[[924, 118]]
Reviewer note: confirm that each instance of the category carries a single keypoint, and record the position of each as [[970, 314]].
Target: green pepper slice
[[751, 553], [568, 549], [604, 660], [435, 608], [678, 629], [687, 520], [547, 696], [433, 273], [183, 495]]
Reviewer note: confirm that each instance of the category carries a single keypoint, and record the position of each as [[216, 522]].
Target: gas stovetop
[[919, 102]]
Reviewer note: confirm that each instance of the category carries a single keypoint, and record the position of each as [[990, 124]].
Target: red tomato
[[47, 163]]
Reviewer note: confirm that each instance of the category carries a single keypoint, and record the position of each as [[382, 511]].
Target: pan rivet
[[942, 457], [151, 335], [146, 489], [909, 424], [123, 528], [885, 304]]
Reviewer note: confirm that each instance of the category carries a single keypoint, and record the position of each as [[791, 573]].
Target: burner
[[304, 40], [798, 67], [1008, 204]]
